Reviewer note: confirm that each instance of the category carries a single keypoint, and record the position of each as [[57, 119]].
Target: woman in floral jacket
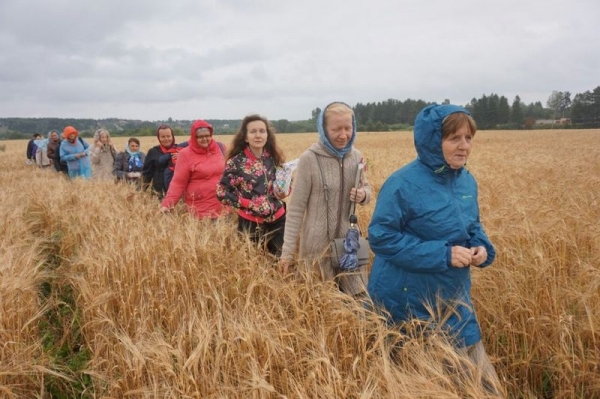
[[247, 183]]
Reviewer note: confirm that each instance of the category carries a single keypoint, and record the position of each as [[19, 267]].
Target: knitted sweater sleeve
[[295, 211]]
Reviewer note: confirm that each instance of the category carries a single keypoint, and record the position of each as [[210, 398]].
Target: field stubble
[[103, 297]]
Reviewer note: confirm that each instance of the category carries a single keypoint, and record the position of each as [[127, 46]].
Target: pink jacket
[[197, 173]]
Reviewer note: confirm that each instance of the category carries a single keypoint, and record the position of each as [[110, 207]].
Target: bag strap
[[326, 192], [221, 147]]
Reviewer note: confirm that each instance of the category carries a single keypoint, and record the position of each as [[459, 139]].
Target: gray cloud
[[186, 59]]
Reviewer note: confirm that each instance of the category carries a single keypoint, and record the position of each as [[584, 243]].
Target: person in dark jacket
[[426, 234], [154, 165], [52, 149], [248, 183], [130, 163], [32, 148]]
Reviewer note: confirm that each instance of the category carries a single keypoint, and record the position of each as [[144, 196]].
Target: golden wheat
[[169, 306]]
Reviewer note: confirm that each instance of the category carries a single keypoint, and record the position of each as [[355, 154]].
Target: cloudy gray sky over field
[[223, 59]]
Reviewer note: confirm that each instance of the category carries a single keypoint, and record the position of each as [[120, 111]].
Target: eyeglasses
[[201, 136]]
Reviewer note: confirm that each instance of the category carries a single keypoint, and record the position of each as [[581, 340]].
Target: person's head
[[133, 144], [458, 130], [102, 136], [201, 133], [53, 136], [442, 136], [337, 128], [70, 134], [165, 136], [257, 133]]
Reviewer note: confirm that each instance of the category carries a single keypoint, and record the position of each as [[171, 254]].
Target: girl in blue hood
[[426, 234]]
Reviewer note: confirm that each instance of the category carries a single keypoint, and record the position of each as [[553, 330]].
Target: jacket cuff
[[244, 202]]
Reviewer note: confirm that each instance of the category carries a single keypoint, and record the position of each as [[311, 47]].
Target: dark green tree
[[516, 112]]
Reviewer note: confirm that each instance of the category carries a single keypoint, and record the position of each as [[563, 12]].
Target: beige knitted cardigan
[[306, 217]]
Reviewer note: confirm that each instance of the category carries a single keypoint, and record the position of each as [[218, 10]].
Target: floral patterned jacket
[[247, 185]]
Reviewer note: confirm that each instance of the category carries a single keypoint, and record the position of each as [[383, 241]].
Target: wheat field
[[101, 296]]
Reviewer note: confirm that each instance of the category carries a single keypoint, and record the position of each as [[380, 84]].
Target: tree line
[[489, 111]]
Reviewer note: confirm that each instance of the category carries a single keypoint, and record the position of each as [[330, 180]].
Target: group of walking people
[[425, 231]]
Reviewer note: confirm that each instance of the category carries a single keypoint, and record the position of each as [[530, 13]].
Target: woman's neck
[[257, 153]]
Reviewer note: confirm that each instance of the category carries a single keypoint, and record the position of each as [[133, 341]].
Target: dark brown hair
[[238, 143]]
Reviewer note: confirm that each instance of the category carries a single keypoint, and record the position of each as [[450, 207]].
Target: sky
[[224, 59]]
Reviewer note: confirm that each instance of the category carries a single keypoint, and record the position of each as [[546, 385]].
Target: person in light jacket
[[102, 155], [332, 162], [75, 152]]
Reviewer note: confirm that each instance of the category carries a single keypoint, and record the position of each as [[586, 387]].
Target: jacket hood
[[428, 134], [68, 130], [193, 143], [323, 135]]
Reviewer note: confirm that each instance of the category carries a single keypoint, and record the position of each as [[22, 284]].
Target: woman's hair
[[133, 140], [163, 127], [98, 133], [239, 140], [455, 121], [337, 109]]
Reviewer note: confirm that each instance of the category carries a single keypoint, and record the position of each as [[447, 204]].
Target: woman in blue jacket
[[426, 233]]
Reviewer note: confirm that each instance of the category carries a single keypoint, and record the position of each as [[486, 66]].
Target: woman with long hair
[[248, 183]]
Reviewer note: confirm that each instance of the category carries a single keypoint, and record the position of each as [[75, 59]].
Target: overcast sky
[[224, 59]]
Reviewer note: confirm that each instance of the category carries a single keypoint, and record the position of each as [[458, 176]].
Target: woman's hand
[[478, 255], [461, 256], [163, 209], [284, 266], [358, 195]]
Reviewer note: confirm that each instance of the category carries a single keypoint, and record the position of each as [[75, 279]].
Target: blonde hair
[[336, 109]]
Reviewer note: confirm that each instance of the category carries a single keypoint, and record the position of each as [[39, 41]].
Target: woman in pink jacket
[[197, 172]]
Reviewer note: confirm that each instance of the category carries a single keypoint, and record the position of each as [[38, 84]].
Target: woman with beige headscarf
[[102, 155]]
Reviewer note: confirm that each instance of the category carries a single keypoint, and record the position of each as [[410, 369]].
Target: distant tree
[[281, 125], [559, 102], [315, 114], [516, 112], [446, 102], [503, 111], [585, 109], [529, 122]]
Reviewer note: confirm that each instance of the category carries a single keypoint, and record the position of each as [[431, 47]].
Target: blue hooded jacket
[[423, 209]]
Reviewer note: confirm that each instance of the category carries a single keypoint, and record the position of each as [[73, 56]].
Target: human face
[[72, 137], [457, 147], [339, 129], [54, 136], [165, 137], [256, 136], [104, 138], [203, 137], [133, 146]]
